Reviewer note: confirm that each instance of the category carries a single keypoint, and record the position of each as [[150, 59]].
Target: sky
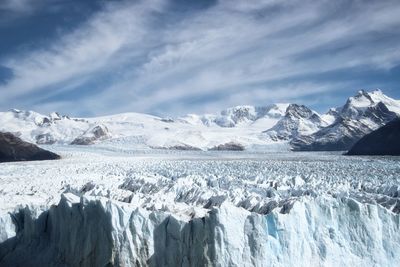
[[173, 57]]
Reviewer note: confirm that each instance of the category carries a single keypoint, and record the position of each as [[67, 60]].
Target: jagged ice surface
[[321, 232], [200, 209]]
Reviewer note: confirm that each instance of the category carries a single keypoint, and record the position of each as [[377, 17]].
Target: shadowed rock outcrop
[[384, 141], [91, 136], [12, 148], [231, 146]]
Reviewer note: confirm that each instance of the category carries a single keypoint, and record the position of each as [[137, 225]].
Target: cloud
[[154, 58], [80, 53], [19, 6]]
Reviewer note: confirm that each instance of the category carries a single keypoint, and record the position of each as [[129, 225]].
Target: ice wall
[[98, 232]]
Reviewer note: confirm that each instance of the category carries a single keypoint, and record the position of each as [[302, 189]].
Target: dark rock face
[[83, 141], [384, 141], [45, 139], [100, 131], [231, 146], [184, 147], [45, 122], [299, 111], [178, 147], [97, 133], [339, 136], [167, 120], [13, 148], [379, 114]]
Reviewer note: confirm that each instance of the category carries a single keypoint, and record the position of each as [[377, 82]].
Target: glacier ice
[[101, 207], [90, 231]]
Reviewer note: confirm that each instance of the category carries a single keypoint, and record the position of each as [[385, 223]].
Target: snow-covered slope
[[241, 116], [241, 125], [363, 113], [37, 128], [267, 127]]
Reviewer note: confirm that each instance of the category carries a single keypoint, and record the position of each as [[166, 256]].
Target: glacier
[[98, 232], [99, 206]]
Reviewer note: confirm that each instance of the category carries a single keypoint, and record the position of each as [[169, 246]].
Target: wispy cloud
[[155, 57], [19, 6]]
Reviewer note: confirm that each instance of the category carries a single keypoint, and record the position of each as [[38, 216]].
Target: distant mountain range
[[277, 126]]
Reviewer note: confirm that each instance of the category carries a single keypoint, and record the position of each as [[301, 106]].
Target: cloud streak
[[150, 57]]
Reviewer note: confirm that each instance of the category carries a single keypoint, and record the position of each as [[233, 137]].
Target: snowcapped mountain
[[363, 113], [245, 126], [240, 125], [241, 116], [298, 120], [37, 128], [244, 115]]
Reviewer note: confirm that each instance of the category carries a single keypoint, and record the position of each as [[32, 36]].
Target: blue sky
[[172, 57]]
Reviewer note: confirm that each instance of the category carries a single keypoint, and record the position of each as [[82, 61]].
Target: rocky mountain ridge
[[362, 114], [248, 126]]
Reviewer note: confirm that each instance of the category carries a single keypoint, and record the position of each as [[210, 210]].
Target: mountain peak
[[377, 91], [299, 111], [361, 99], [361, 93], [364, 99], [14, 110], [364, 92]]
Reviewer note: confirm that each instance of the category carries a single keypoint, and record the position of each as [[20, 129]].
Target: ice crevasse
[[88, 231]]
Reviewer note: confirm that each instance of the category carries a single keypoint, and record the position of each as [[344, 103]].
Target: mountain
[[276, 126], [241, 125], [240, 115], [362, 114], [37, 128], [13, 148], [384, 141], [298, 120], [243, 116]]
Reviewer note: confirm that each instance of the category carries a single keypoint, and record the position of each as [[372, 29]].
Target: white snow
[[369, 99], [250, 126], [149, 131], [378, 96]]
